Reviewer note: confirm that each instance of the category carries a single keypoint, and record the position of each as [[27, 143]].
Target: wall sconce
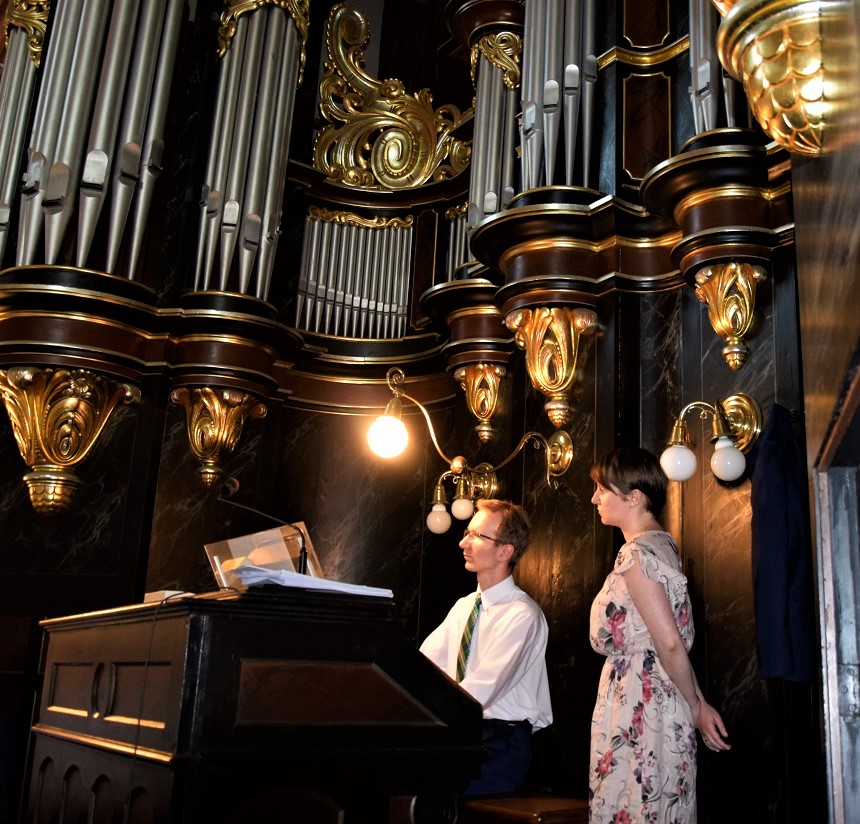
[[387, 437], [736, 426]]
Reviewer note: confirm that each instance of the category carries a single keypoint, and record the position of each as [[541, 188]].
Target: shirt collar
[[497, 592]]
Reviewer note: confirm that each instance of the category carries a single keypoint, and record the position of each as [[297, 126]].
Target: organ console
[[255, 705]]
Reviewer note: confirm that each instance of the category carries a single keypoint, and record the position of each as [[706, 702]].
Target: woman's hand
[[711, 727]]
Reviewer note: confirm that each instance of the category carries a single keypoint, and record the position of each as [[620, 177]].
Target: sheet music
[[249, 574]]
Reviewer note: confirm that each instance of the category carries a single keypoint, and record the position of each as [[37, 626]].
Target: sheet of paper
[[250, 575]]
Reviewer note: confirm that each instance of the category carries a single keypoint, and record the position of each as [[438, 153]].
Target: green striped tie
[[466, 640]]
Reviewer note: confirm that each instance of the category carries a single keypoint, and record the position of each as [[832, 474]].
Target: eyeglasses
[[471, 535]]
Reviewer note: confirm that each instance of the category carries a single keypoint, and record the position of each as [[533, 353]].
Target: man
[[503, 664]]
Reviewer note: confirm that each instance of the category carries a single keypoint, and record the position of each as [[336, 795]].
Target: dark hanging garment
[[781, 553]]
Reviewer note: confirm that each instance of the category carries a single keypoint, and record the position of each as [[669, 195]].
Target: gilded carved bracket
[[57, 415], [215, 419], [482, 384], [793, 68], [728, 290], [554, 340]]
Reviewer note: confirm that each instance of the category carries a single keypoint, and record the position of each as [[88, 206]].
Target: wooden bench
[[545, 808]]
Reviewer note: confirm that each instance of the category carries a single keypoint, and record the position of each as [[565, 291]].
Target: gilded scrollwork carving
[[32, 17], [728, 290], [482, 384], [299, 10], [503, 50], [378, 135], [553, 339], [215, 417], [351, 219], [57, 416]]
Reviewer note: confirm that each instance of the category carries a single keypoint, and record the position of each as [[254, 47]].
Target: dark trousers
[[507, 749]]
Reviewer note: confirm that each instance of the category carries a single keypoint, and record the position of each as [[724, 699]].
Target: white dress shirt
[[506, 671]]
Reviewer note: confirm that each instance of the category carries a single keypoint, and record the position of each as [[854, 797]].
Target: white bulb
[[438, 519], [462, 509], [387, 436], [727, 462], [678, 462]]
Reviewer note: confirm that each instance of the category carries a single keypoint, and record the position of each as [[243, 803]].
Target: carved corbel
[[793, 67], [554, 341], [482, 383], [57, 415], [728, 290], [215, 418]]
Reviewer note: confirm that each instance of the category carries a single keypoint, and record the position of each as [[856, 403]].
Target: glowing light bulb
[[462, 509], [387, 436], [727, 462], [438, 519], [678, 462]]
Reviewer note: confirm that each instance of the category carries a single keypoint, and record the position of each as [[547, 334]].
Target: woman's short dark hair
[[626, 469], [514, 525]]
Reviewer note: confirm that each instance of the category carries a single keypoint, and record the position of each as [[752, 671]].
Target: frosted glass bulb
[[387, 436], [438, 519], [462, 509], [678, 462], [727, 462]]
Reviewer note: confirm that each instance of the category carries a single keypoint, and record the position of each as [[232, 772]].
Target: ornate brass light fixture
[[57, 415], [387, 437], [736, 423]]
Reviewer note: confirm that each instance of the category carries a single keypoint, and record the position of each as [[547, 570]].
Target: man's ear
[[506, 552]]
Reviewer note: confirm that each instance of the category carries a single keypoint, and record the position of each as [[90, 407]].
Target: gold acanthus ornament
[[215, 418], [482, 383], [778, 50], [378, 135], [299, 10], [503, 50], [554, 339], [728, 290], [57, 416], [32, 17]]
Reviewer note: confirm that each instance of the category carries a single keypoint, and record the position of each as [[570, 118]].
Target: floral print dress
[[643, 741]]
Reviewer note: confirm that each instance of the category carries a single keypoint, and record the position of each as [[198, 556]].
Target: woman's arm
[[651, 601]]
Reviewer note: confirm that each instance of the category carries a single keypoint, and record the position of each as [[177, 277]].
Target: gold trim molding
[[728, 290], [552, 338], [215, 419], [380, 137], [57, 416], [32, 17], [351, 219], [299, 10], [482, 384]]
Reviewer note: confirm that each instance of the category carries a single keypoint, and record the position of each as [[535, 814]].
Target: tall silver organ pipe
[[559, 78], [355, 276], [98, 134], [16, 95], [240, 205], [495, 62]]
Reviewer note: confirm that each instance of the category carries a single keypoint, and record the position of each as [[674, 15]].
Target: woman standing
[[643, 731]]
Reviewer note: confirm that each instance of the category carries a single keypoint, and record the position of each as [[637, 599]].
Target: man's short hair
[[627, 469], [515, 528]]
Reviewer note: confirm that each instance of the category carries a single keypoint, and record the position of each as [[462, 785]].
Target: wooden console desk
[[262, 705]]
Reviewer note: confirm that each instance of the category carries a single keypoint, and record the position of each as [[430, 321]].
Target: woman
[[643, 731]]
